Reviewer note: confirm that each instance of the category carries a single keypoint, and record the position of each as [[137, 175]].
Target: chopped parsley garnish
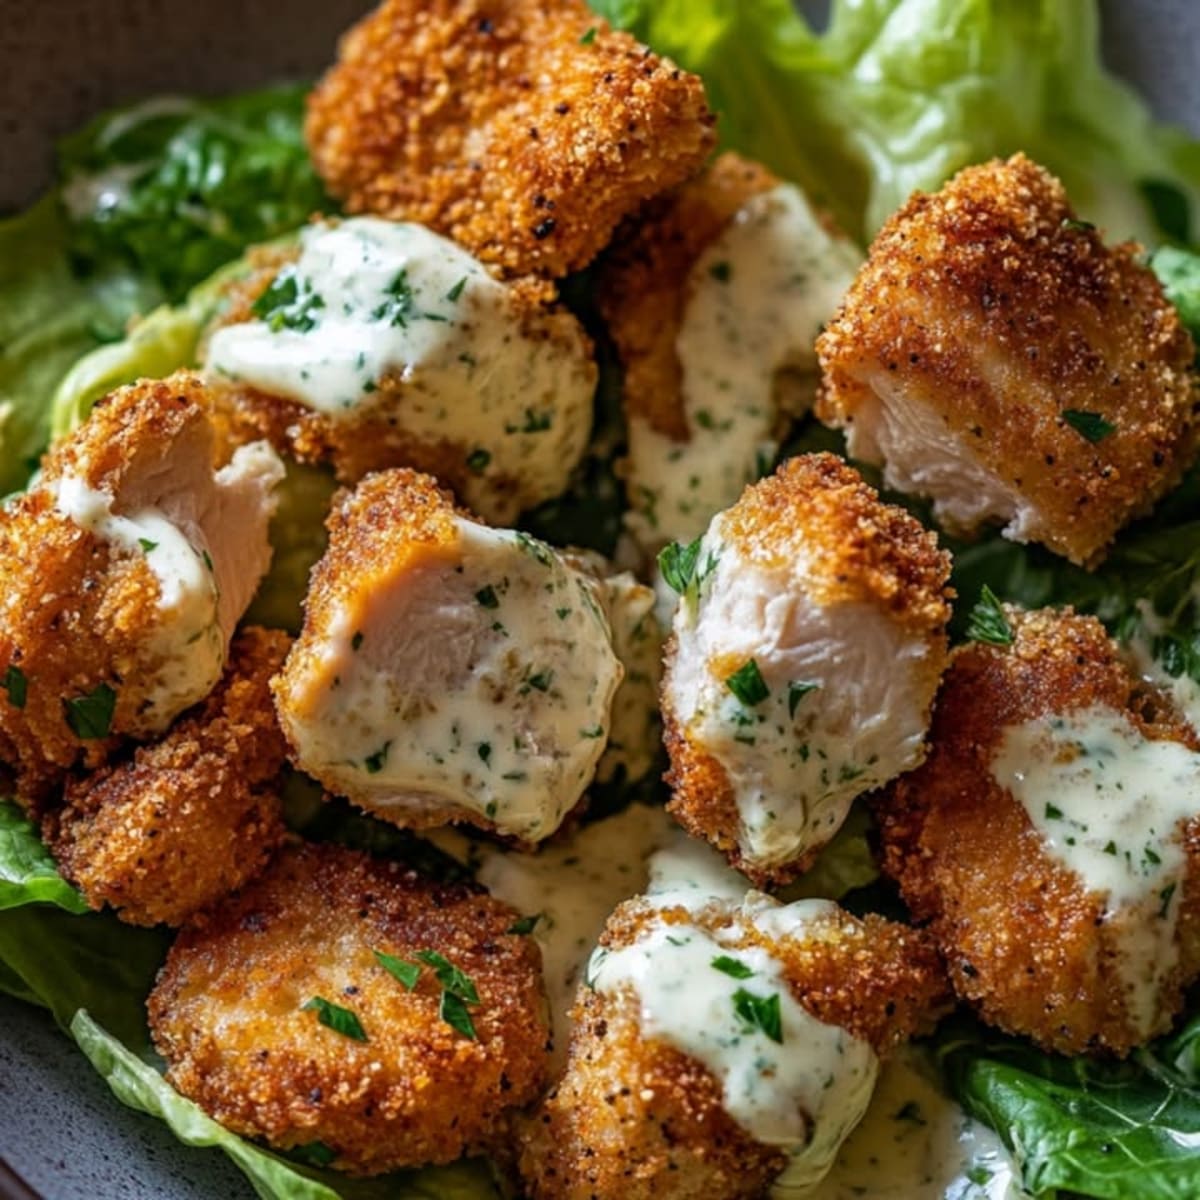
[[541, 680], [1111, 848], [1090, 425], [454, 1012], [449, 976], [147, 545], [356, 640], [478, 460], [401, 302], [1165, 899], [16, 685], [1076, 225], [535, 422], [457, 290], [484, 750], [535, 549], [374, 762], [910, 1111], [721, 271], [1053, 812], [317, 1154], [407, 972], [677, 563], [760, 1012], [589, 37], [731, 966], [987, 622], [593, 731], [796, 692], [289, 303], [90, 716], [208, 562], [748, 685], [524, 925], [334, 1016], [487, 597]]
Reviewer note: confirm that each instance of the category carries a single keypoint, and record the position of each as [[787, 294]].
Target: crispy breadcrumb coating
[[641, 289], [80, 615], [635, 1119], [523, 129], [1024, 941], [997, 356], [185, 821], [228, 1015], [809, 570]]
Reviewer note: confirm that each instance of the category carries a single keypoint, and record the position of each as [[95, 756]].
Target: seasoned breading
[[634, 1117], [447, 671], [836, 606], [181, 823], [996, 356], [524, 130], [411, 355], [125, 569], [1024, 939], [228, 1012]]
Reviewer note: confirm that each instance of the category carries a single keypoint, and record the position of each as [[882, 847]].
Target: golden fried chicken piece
[[807, 649], [348, 1001], [523, 129], [722, 1046], [447, 671], [125, 569], [714, 296], [377, 344], [182, 822], [996, 356], [1052, 838]]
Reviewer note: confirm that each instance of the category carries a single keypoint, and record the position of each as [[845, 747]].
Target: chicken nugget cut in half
[[714, 296], [447, 671], [1052, 838], [378, 344], [808, 643], [348, 1002], [725, 1046], [125, 569], [523, 129], [994, 355], [182, 822]]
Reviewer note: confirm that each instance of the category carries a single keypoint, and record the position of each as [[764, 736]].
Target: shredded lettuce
[[899, 94], [1104, 1129], [27, 872]]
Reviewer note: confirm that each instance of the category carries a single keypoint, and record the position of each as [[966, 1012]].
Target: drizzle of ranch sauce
[[758, 296], [187, 647], [1108, 803], [802, 1093]]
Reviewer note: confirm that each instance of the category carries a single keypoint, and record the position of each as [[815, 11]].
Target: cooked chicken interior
[[715, 298], [808, 643], [125, 568], [383, 344], [447, 671], [183, 822], [724, 1045], [1052, 838], [996, 356], [350, 1002], [523, 129]]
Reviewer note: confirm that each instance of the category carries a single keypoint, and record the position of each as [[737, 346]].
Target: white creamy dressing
[[801, 1093], [388, 317], [186, 651], [915, 1143], [1108, 803], [484, 680], [1182, 688], [758, 296], [834, 724]]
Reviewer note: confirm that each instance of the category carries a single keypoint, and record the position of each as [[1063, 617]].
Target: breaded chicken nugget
[[125, 570], [447, 671], [720, 1049], [997, 357], [186, 820], [523, 129], [807, 648], [1052, 838], [714, 296], [381, 344], [343, 1000]]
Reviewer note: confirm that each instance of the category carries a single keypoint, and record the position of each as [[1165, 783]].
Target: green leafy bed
[[895, 95]]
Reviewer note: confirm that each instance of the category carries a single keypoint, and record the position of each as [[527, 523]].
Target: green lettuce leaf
[[177, 187], [27, 872], [899, 94], [1103, 1129], [1178, 271]]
